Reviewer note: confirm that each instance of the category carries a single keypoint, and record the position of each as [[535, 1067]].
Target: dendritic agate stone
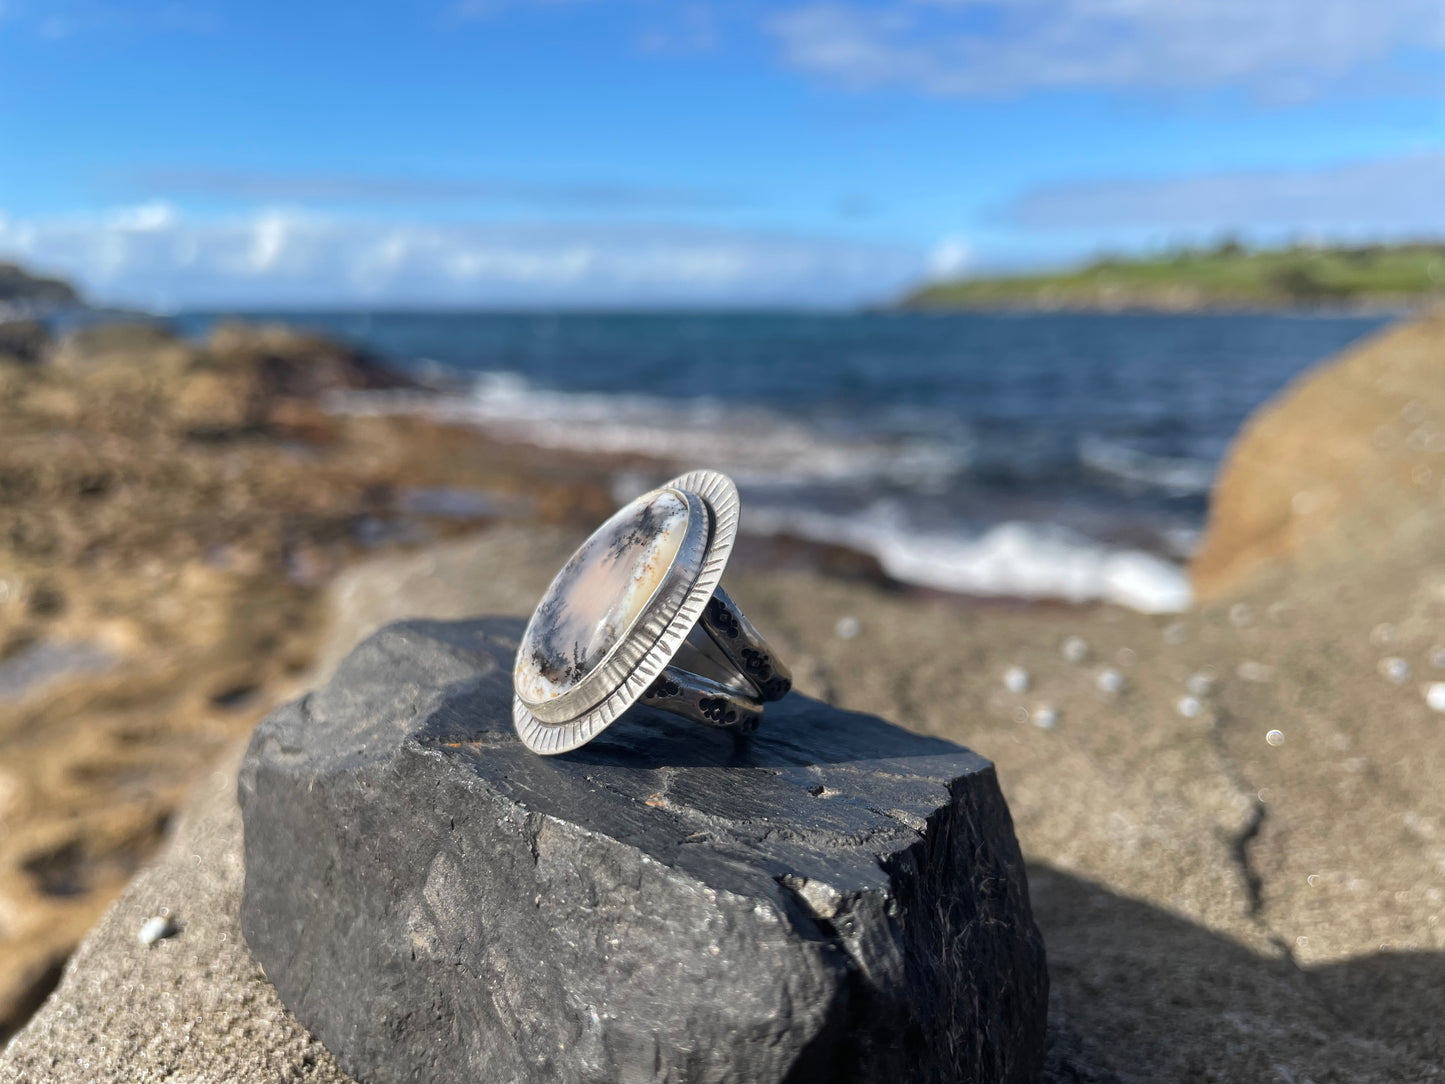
[[598, 594]]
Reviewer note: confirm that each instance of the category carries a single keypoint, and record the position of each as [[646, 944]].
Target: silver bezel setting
[[654, 637]]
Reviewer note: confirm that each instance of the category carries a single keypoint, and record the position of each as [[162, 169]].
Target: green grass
[[1214, 278]]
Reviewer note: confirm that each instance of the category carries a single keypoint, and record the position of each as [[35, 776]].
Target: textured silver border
[[720, 497]]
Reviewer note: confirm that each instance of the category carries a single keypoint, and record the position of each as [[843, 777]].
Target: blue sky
[[669, 152]]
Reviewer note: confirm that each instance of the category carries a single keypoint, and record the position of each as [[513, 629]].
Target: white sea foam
[[773, 455], [1014, 559]]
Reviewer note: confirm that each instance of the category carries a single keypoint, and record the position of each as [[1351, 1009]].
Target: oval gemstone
[[598, 594]]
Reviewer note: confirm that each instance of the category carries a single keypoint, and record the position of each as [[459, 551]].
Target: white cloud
[[465, 10], [137, 255], [950, 257], [1275, 49], [60, 20], [143, 217], [1388, 196], [269, 187]]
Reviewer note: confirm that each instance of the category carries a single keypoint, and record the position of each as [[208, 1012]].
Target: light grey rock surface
[[833, 899], [193, 1008], [1188, 938]]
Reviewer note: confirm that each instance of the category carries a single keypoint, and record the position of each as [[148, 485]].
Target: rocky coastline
[[1233, 816], [170, 515]]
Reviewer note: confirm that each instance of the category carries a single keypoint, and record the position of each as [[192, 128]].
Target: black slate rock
[[834, 899]]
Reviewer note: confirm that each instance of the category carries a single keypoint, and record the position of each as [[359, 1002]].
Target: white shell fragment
[[156, 928], [1200, 684], [1435, 696], [1016, 679], [1075, 649], [1109, 681], [1189, 707], [1395, 669]]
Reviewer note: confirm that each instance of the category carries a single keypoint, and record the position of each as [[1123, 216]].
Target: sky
[[658, 153]]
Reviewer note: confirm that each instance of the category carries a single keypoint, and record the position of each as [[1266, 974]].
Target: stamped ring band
[[637, 615]]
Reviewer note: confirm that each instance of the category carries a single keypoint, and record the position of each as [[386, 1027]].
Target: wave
[[1176, 476], [755, 445], [1011, 559], [812, 482]]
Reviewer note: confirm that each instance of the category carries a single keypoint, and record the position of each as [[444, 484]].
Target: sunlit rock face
[[598, 594]]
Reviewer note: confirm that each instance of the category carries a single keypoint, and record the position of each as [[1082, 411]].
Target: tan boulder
[[1348, 459]]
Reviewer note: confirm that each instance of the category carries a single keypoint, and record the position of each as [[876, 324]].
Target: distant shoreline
[[1229, 278], [1388, 308]]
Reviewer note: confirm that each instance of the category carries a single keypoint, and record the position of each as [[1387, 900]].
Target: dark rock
[[19, 285], [292, 364], [835, 900], [23, 341]]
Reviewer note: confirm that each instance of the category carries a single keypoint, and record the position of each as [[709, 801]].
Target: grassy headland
[[1226, 276]]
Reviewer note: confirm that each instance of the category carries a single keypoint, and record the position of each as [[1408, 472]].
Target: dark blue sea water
[[1056, 455]]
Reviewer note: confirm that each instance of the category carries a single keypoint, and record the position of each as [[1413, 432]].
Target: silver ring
[[637, 614]]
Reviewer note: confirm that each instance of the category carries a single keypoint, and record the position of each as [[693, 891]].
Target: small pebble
[[1249, 670], [1075, 649], [1016, 679], [1275, 737], [1189, 707], [155, 929], [848, 627], [1200, 684], [1395, 669], [1110, 681], [1435, 696], [1046, 717]]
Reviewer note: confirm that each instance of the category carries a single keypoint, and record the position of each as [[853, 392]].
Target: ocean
[[1064, 456]]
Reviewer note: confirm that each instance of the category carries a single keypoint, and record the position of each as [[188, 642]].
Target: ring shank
[[703, 700], [723, 676], [745, 647]]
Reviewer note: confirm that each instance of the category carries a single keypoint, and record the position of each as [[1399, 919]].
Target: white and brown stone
[[599, 594]]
